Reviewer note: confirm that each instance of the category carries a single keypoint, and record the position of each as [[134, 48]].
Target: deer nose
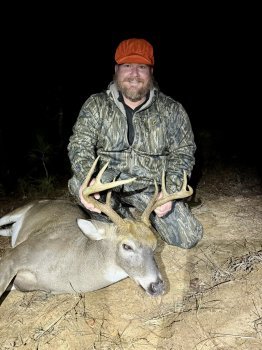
[[156, 288]]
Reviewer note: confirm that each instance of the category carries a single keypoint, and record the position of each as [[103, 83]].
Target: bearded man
[[141, 132]]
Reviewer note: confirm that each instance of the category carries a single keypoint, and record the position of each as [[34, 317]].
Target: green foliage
[[29, 187], [45, 185], [38, 180], [42, 152]]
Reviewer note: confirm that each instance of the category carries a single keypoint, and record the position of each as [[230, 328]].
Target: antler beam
[[154, 203]]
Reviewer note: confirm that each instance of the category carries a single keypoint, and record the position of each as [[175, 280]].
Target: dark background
[[52, 62]]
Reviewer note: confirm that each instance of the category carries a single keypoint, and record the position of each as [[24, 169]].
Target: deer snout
[[156, 288]]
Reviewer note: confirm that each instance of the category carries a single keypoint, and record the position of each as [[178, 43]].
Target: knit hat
[[135, 51]]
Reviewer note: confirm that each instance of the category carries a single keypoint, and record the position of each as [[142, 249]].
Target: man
[[140, 131]]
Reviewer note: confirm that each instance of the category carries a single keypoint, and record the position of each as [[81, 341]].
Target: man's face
[[133, 80]]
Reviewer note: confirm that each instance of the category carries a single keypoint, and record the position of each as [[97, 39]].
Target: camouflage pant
[[179, 227]]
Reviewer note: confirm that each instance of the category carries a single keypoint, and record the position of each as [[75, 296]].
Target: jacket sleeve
[[181, 148], [82, 143]]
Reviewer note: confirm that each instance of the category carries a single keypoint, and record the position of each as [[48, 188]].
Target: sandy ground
[[213, 299]]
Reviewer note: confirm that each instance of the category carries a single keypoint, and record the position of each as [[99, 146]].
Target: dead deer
[[57, 249]]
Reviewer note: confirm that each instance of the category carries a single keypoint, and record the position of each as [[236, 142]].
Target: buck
[[57, 249]]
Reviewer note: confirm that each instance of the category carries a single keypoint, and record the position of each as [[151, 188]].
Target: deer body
[[51, 253]]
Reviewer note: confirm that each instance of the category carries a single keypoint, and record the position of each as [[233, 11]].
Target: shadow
[[4, 296], [160, 263]]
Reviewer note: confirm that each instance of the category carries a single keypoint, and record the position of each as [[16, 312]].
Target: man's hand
[[89, 206], [163, 209]]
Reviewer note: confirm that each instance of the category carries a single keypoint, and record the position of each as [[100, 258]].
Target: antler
[[98, 187], [153, 204]]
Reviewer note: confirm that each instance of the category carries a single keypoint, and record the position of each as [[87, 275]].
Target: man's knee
[[184, 235]]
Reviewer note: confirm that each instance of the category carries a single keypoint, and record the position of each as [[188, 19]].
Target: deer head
[[133, 235]]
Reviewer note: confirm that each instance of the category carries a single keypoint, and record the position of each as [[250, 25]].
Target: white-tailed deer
[[50, 253]]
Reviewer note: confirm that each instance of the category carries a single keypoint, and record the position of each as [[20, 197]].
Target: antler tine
[[163, 189], [183, 193], [98, 187], [185, 185], [148, 210], [108, 196], [90, 173]]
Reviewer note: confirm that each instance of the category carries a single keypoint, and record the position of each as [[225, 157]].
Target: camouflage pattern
[[163, 140], [179, 227]]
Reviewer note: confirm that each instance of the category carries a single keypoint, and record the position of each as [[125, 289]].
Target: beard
[[133, 93]]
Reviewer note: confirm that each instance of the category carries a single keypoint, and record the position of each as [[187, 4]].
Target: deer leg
[[7, 273]]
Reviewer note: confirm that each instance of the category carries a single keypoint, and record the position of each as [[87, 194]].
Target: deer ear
[[90, 230]]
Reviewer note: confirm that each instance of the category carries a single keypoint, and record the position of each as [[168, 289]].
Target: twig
[[51, 326]]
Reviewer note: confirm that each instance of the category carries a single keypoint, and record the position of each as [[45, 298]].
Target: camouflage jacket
[[163, 139]]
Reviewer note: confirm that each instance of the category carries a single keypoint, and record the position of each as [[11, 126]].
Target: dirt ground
[[213, 299]]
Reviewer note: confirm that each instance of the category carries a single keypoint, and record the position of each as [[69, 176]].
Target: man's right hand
[[89, 206]]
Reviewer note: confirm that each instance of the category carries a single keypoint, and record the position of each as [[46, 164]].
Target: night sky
[[53, 63]]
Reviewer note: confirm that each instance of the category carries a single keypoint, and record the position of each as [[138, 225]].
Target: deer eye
[[127, 247]]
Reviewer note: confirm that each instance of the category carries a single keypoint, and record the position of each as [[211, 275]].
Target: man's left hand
[[163, 209]]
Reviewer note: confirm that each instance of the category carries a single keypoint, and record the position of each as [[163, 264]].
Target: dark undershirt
[[129, 115]]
